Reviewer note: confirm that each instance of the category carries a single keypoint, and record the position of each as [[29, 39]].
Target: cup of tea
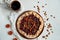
[[15, 5], [12, 4]]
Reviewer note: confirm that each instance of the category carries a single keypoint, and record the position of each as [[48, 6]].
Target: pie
[[29, 24]]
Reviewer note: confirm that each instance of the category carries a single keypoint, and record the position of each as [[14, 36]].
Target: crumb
[[38, 9], [46, 4], [52, 31], [47, 30], [43, 36], [49, 25], [51, 15], [34, 6], [49, 33], [42, 6], [38, 1], [45, 13], [47, 19], [46, 35]]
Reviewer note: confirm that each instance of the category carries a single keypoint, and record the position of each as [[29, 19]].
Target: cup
[[15, 5], [12, 4]]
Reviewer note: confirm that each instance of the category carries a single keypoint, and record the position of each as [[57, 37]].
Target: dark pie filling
[[30, 24]]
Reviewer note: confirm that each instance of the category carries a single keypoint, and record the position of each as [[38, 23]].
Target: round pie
[[29, 24]]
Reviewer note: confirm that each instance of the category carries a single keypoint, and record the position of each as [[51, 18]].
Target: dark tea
[[15, 5]]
